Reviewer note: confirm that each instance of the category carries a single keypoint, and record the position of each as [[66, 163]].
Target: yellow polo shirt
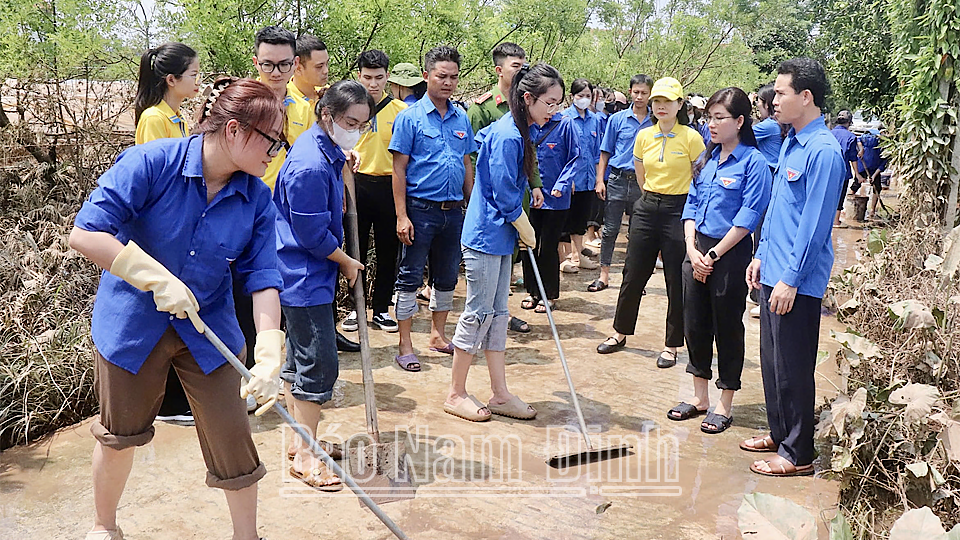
[[160, 122], [667, 159], [375, 159], [299, 119]]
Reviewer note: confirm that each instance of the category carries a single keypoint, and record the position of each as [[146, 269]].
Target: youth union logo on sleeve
[[792, 174]]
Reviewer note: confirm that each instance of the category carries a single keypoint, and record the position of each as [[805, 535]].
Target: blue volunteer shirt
[[558, 154], [588, 129], [436, 147], [872, 158], [795, 244], [704, 131], [410, 99], [497, 197], [155, 195], [734, 193], [309, 200], [767, 132], [619, 136], [848, 148]]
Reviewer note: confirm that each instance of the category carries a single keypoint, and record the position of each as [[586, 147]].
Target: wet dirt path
[[476, 481]]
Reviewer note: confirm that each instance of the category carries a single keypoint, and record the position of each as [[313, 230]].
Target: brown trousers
[[130, 402]]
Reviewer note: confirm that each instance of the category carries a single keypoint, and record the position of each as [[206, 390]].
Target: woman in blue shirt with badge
[[309, 199], [581, 204], [729, 193], [168, 223], [493, 221]]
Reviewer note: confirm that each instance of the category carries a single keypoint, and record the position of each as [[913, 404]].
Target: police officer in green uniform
[[508, 58]]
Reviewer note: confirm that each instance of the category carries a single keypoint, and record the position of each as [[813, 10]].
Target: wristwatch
[[713, 255]]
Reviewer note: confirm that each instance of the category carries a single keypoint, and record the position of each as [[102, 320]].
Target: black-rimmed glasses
[[275, 144], [284, 67]]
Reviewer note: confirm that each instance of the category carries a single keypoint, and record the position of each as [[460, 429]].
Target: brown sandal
[[750, 445], [320, 478], [786, 468]]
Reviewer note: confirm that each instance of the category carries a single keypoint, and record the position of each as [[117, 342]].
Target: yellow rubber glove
[[134, 266], [527, 236], [264, 385]]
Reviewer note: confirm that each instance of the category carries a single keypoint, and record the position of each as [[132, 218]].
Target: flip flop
[[596, 286], [719, 421], [515, 408], [317, 480], [528, 303], [446, 349], [686, 411], [114, 534], [793, 470], [407, 362], [518, 325], [543, 309], [468, 409], [750, 445]]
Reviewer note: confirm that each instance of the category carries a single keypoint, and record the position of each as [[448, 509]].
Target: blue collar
[[737, 153], [327, 147], [660, 134], [808, 130], [429, 107], [193, 168]]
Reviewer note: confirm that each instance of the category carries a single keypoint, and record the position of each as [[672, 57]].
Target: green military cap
[[405, 74]]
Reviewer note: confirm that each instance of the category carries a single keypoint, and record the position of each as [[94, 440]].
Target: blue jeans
[[312, 365], [622, 192], [436, 234], [483, 322]]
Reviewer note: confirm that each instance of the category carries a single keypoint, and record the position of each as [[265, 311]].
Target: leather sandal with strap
[[758, 444]]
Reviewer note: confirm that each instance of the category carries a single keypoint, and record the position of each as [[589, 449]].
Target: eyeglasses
[[275, 144], [362, 127], [284, 67], [551, 107], [716, 119]]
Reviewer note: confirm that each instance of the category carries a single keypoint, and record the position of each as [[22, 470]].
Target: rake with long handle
[[313, 444], [591, 454]]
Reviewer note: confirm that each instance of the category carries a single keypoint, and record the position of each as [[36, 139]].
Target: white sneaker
[[755, 312], [350, 324], [659, 264], [385, 322]]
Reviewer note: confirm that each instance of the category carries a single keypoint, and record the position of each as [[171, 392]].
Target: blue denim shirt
[[309, 200], [734, 193], [619, 136], [436, 147], [848, 148], [557, 157], [497, 197], [588, 128], [795, 241], [872, 158], [769, 142], [155, 195]]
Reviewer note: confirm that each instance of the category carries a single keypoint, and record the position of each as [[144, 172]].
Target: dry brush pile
[[46, 295], [895, 434]]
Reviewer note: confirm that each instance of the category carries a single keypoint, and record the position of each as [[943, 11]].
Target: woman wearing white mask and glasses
[[309, 199]]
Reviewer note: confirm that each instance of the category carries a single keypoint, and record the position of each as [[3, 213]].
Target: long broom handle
[[314, 446], [360, 304], [556, 339]]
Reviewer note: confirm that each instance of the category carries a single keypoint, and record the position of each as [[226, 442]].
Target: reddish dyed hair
[[251, 103]]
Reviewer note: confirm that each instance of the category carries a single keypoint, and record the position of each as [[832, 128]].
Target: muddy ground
[[474, 481]]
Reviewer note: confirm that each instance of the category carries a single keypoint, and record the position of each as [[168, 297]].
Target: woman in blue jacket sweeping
[[494, 218]]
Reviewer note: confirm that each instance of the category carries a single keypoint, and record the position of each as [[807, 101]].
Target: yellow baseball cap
[[667, 87]]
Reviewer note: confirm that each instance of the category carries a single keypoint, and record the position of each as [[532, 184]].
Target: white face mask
[[582, 102], [601, 105], [345, 139]]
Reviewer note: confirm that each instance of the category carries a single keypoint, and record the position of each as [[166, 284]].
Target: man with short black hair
[[374, 183], [792, 267], [310, 73], [849, 150], [432, 177]]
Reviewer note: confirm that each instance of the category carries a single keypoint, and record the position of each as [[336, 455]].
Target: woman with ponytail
[[170, 223], [309, 198], [729, 193], [169, 75], [493, 221]]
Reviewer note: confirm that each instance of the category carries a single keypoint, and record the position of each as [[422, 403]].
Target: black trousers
[[714, 311], [788, 358], [375, 209], [548, 225], [654, 228]]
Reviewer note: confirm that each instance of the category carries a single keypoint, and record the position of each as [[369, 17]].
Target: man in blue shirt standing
[[849, 151], [621, 189], [432, 176], [792, 267]]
